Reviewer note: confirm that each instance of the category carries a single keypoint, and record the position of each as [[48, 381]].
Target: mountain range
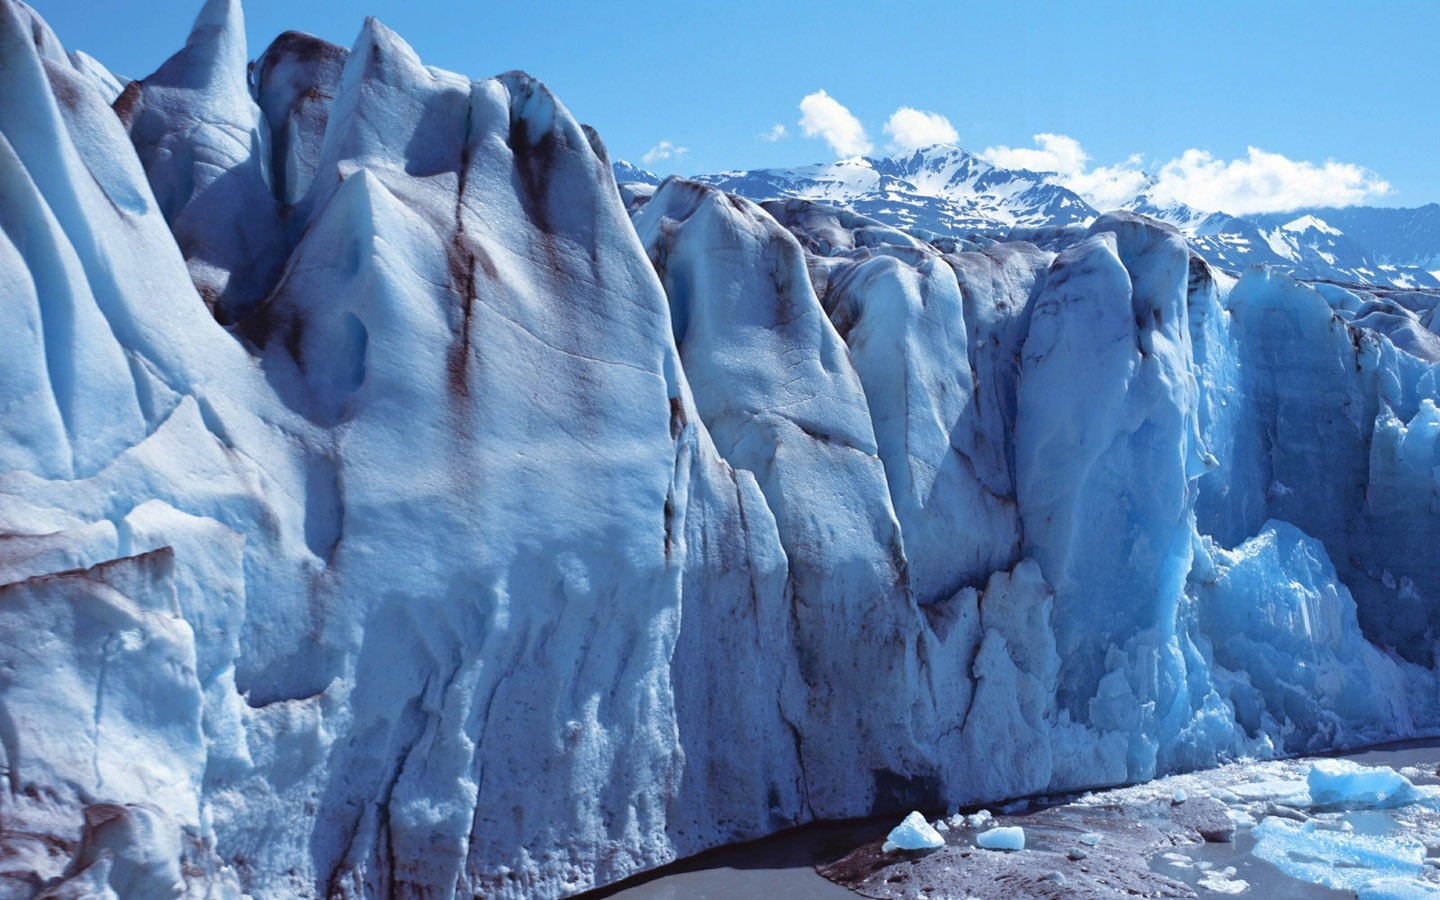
[[947, 193]]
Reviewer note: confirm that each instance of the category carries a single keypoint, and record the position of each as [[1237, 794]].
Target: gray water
[[780, 866]]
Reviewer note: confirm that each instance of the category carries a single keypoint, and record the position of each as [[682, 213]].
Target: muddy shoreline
[[1148, 844]]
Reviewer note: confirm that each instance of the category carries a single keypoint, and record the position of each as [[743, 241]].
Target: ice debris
[[1006, 837], [1335, 859], [913, 834], [1223, 881], [1340, 783]]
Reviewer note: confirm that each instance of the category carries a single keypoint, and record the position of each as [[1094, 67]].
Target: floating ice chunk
[[1396, 889], [1289, 793], [1223, 881], [1089, 838], [1336, 782], [1336, 859], [1180, 797], [914, 834], [979, 819], [1006, 837]]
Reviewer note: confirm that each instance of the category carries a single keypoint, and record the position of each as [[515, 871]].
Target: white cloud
[[1264, 182], [1103, 187], [662, 151], [911, 129], [822, 116], [1260, 182], [1056, 153], [777, 132], [1108, 187]]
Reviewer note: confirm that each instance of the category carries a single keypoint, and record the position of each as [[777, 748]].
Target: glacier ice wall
[[386, 511]]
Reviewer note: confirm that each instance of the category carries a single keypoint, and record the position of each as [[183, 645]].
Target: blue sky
[[1118, 87]]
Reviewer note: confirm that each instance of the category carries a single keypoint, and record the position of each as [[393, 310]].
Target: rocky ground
[[1070, 851]]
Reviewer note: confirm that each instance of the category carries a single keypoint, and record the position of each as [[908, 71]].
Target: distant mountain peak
[[940, 190], [1307, 223], [627, 172], [945, 191]]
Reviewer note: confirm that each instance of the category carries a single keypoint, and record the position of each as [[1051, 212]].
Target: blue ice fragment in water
[[1335, 782], [1336, 859]]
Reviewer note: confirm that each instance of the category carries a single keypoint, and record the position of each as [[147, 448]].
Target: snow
[[1309, 223], [1280, 244], [915, 833], [1005, 837]]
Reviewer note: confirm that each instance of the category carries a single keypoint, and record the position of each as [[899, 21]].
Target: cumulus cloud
[[823, 116], [663, 151], [1264, 182], [1057, 153], [776, 132], [1260, 182], [1103, 187], [911, 129], [1108, 187]]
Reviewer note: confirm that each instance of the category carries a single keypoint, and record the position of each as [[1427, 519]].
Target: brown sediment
[[1055, 863]]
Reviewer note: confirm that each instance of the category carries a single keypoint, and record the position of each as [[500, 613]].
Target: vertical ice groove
[[98, 413], [106, 649]]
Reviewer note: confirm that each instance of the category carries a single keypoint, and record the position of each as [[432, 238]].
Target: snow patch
[[1310, 223]]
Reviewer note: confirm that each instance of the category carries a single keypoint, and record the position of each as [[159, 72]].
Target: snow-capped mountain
[[392, 507], [1402, 239], [939, 191], [945, 191], [1303, 243]]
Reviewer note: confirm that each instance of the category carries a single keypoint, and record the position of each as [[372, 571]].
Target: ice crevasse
[[387, 511]]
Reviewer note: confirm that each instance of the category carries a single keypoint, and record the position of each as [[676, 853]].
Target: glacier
[[390, 505]]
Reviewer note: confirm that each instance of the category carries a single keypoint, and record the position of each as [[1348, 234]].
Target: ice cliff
[[384, 512]]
